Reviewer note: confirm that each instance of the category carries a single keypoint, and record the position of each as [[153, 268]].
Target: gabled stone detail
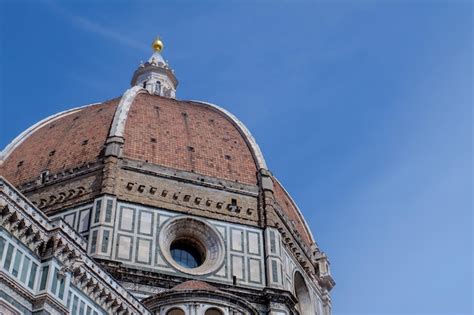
[[55, 238]]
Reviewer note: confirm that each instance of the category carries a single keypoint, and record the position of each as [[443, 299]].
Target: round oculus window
[[191, 245], [187, 253]]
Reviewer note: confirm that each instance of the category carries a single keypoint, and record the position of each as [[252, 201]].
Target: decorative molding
[[192, 201], [56, 239], [120, 118], [65, 174], [189, 177]]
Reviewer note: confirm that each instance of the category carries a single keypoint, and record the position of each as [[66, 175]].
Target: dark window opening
[[44, 277], [98, 206], [272, 242], [8, 258], [16, 263], [105, 241], [44, 176], [94, 241], [175, 311], [108, 211], [187, 253], [31, 281], [213, 311]]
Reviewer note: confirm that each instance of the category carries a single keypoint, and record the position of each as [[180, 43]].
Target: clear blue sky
[[363, 110]]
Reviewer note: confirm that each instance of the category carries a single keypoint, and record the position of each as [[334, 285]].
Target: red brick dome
[[183, 135]]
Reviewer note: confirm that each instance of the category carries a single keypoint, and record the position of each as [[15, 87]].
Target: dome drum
[[195, 194]]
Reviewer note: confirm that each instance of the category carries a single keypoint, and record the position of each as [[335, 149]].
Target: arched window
[[305, 305], [175, 311], [158, 88], [213, 311]]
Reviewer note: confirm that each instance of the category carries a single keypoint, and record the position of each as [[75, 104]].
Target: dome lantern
[[155, 75]]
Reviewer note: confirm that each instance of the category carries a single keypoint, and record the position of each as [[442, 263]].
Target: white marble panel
[[237, 238], [84, 220], [255, 270], [146, 219], [144, 248], [126, 221], [69, 218], [238, 267], [124, 247], [253, 243]]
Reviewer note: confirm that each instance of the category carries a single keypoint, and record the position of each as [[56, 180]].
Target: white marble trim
[[244, 130], [121, 114]]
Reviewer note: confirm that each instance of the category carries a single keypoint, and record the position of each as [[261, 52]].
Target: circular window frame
[[193, 230]]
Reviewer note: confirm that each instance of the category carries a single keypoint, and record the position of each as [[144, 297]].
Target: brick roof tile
[[194, 285]]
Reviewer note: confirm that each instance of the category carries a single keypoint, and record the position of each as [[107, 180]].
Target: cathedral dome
[[188, 136], [167, 191], [183, 135]]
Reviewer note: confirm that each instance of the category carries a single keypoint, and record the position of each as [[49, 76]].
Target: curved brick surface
[[70, 141], [187, 136], [290, 209]]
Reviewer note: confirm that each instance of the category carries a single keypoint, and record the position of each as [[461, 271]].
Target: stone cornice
[[191, 178], [66, 174]]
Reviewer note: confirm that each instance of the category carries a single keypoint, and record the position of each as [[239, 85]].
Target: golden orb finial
[[157, 45]]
